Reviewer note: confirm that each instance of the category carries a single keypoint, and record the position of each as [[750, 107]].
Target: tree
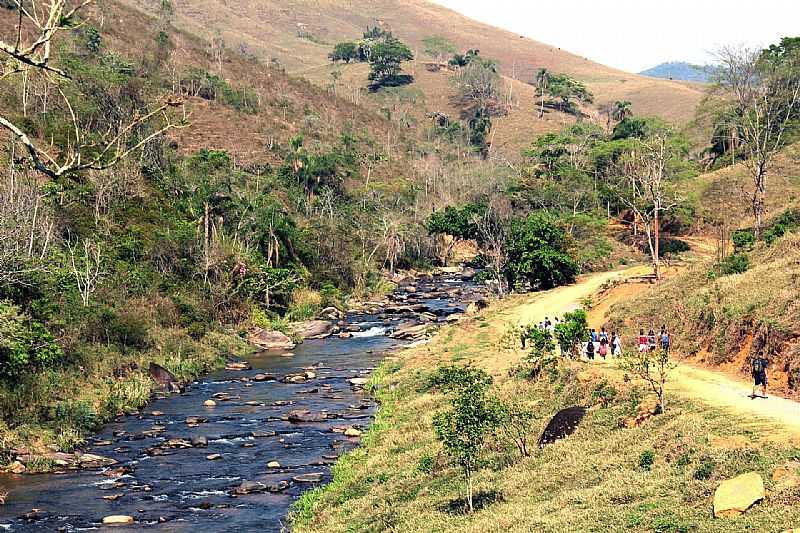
[[537, 254], [644, 187], [346, 51], [653, 368], [542, 82], [463, 430], [571, 331], [566, 91], [31, 53], [438, 47], [763, 88], [622, 109], [460, 223], [492, 233], [478, 94], [385, 62]]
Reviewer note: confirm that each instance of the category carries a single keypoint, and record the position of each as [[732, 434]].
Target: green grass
[[603, 478]]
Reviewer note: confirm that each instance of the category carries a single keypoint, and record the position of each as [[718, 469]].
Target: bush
[[571, 331], [464, 428], [604, 393], [25, 344], [672, 247], [454, 378], [737, 263], [537, 254], [705, 469], [743, 239], [646, 459], [77, 414]]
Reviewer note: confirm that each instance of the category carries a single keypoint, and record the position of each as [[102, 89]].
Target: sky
[[635, 35]]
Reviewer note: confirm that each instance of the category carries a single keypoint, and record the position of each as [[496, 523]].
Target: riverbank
[[659, 475], [54, 412]]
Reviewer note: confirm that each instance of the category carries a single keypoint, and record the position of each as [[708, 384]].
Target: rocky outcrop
[[735, 496], [270, 340]]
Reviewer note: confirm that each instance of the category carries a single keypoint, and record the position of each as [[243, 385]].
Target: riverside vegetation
[[158, 203]]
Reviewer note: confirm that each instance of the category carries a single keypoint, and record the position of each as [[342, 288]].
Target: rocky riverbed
[[236, 448]]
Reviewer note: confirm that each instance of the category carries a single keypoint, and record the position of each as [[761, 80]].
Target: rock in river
[[314, 329], [118, 520], [299, 416], [270, 340]]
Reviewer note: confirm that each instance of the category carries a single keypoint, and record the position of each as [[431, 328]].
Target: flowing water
[[178, 488]]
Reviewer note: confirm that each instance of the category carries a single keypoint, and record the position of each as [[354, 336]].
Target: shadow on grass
[[480, 500]]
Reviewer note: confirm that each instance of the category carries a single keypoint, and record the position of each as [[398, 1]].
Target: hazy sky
[[637, 34]]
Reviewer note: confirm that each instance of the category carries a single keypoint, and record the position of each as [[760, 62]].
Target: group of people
[[603, 345]]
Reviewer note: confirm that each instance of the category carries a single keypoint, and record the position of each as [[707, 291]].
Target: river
[[169, 484]]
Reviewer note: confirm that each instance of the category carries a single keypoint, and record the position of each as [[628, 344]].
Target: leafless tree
[[26, 226], [30, 51], [644, 186], [86, 261], [492, 236], [766, 97]]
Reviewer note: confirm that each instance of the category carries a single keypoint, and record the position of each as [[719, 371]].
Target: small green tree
[[463, 430], [517, 423], [346, 51], [564, 91], [537, 254], [385, 60], [653, 367], [438, 47], [24, 343], [571, 331]]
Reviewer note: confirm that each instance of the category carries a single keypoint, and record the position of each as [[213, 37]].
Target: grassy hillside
[[299, 34], [724, 319], [659, 476]]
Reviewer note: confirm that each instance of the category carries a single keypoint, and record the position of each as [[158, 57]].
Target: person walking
[[590, 349], [642, 341], [666, 340], [759, 368], [616, 345], [651, 340]]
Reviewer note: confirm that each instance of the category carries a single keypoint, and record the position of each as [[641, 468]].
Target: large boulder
[[270, 340], [735, 496], [165, 378], [314, 329], [331, 313], [410, 331]]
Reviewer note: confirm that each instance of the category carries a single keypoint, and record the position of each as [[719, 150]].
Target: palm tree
[[622, 109], [542, 80]]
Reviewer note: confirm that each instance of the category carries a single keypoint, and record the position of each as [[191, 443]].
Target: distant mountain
[[679, 70]]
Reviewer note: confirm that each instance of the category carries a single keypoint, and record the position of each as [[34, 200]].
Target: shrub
[[604, 393], [705, 469], [517, 422], [646, 459], [737, 263], [426, 464], [454, 378], [571, 331], [25, 344], [464, 428], [672, 247], [537, 254], [743, 239], [78, 414]]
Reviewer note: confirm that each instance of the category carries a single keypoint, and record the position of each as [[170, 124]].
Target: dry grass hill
[[300, 33]]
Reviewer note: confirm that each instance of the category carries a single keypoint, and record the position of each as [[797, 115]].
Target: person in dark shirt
[[760, 364]]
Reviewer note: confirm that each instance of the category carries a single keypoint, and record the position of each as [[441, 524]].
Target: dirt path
[[709, 387]]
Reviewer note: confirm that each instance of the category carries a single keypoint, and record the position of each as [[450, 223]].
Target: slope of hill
[[300, 33], [680, 70]]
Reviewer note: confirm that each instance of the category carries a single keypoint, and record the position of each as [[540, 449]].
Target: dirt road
[[709, 387]]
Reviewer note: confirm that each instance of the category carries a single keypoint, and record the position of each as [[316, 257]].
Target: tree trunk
[[469, 492], [656, 258]]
